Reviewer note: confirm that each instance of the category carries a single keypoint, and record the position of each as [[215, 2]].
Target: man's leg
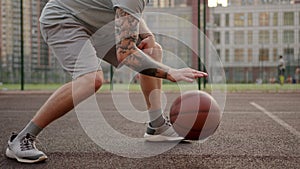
[[68, 96], [281, 76], [151, 88], [158, 129], [22, 146]]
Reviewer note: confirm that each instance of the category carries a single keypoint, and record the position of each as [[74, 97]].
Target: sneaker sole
[[12, 155], [160, 138]]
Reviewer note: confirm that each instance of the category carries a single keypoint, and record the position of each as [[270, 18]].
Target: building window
[[264, 37], [298, 60], [288, 53], [288, 36], [239, 37], [163, 3], [275, 54], [250, 55], [180, 3], [227, 55], [288, 18], [264, 19], [275, 19], [263, 54], [219, 52], [239, 55], [227, 20], [227, 37], [217, 38], [250, 19], [239, 19], [239, 75], [275, 36], [299, 35], [217, 20], [250, 37]]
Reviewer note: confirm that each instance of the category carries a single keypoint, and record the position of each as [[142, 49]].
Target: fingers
[[189, 80], [196, 74], [148, 51], [189, 75], [199, 74], [142, 45]]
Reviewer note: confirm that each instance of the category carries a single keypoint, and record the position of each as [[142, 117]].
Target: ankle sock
[[156, 118], [30, 128]]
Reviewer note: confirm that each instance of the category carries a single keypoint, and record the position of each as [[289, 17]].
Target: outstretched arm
[[127, 32]]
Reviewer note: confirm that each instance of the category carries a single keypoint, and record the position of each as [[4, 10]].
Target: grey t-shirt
[[95, 13]]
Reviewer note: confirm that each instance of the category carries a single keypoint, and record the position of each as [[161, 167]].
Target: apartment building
[[40, 66], [249, 36]]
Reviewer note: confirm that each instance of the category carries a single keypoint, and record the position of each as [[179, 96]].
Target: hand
[[185, 74], [147, 44]]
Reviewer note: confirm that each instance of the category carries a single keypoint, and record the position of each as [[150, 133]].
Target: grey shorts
[[79, 49]]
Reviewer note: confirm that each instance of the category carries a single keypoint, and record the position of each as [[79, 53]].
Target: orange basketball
[[195, 115]]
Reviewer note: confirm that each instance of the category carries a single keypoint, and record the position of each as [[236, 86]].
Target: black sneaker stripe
[[33, 157], [150, 131]]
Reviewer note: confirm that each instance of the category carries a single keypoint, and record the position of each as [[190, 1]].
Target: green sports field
[[170, 87]]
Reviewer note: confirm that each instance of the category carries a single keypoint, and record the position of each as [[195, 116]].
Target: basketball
[[195, 115]]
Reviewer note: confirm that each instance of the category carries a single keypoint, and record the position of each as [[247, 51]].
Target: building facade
[[173, 23], [250, 35], [39, 65], [172, 26]]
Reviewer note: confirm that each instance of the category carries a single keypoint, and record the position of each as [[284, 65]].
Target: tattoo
[[145, 66], [127, 32]]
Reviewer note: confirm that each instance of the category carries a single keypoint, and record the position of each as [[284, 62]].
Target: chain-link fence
[[249, 36]]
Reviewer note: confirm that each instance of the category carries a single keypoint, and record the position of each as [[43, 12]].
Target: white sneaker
[[24, 150], [163, 133]]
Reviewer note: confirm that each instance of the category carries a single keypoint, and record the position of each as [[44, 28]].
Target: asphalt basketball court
[[258, 130]]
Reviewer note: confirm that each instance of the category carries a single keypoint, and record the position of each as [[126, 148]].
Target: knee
[[157, 52], [98, 81], [93, 80]]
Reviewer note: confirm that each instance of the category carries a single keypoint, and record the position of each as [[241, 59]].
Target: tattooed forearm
[[127, 31], [145, 65]]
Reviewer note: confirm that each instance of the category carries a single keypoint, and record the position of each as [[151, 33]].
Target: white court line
[[252, 112], [17, 111], [276, 119]]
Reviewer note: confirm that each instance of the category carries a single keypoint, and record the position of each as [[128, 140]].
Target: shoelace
[[27, 142], [167, 121]]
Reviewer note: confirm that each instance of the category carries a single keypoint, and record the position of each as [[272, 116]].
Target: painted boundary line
[[226, 112], [276, 119]]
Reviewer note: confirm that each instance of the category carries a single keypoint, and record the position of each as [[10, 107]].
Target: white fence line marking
[[276, 119]]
